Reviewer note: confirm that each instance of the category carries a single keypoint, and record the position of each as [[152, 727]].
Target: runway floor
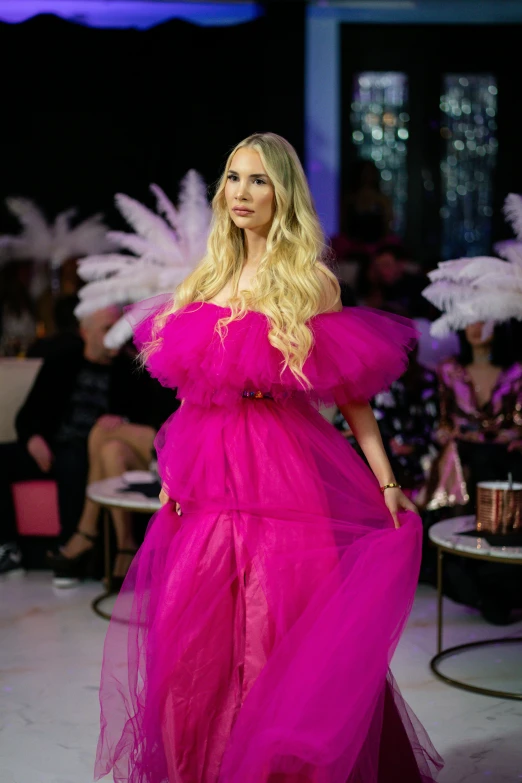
[[50, 653]]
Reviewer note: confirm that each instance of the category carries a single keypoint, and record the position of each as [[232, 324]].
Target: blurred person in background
[[66, 334], [67, 282], [78, 406], [367, 213], [17, 311], [480, 433], [366, 218], [391, 280], [481, 405]]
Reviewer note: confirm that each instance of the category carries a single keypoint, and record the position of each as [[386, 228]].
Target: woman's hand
[[110, 422], [396, 501], [39, 450], [444, 435], [164, 499]]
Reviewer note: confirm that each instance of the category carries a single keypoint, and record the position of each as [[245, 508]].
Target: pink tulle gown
[[252, 639]]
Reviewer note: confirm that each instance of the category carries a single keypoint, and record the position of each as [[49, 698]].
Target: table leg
[[107, 543], [440, 556]]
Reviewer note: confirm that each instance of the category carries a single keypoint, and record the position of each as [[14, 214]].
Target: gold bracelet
[[392, 485]]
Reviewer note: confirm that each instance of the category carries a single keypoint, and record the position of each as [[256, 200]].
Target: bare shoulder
[[330, 301]]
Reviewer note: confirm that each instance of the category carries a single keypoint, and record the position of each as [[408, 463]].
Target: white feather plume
[[165, 206], [484, 288], [165, 248], [513, 212], [145, 222], [480, 306], [511, 250], [56, 242], [30, 217], [193, 215], [466, 270], [444, 294], [131, 242], [100, 267]]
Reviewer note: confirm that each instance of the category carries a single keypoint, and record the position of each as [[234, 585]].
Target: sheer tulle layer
[[356, 353], [252, 639]]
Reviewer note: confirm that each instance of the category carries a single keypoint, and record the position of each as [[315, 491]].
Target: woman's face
[[249, 192], [386, 269], [479, 333]]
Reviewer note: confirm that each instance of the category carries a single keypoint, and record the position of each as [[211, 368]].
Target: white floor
[[50, 652]]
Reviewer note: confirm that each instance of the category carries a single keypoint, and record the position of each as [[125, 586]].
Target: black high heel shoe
[[117, 581], [72, 567]]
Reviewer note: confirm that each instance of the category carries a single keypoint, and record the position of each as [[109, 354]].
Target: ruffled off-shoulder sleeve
[[175, 345], [357, 353]]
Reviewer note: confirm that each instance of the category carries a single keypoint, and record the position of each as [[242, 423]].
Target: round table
[[448, 537], [110, 493]]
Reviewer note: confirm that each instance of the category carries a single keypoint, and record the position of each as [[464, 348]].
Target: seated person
[[67, 333], [480, 393], [83, 396]]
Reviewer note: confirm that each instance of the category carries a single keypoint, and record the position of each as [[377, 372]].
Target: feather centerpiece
[[511, 249], [484, 288], [165, 247], [513, 212], [55, 242]]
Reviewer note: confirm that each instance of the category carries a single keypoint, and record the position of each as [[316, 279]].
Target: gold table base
[[451, 651]]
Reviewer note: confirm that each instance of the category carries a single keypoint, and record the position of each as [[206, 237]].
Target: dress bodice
[[355, 353]]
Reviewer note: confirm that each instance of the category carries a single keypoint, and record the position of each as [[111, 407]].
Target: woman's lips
[[242, 211]]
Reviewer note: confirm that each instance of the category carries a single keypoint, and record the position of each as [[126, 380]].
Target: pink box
[[36, 508]]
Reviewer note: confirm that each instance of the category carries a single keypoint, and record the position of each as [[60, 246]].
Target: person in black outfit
[[85, 400], [67, 334]]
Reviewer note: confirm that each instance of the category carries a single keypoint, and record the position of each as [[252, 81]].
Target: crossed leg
[[111, 453]]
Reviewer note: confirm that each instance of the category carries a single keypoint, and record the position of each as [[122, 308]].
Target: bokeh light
[[379, 132]]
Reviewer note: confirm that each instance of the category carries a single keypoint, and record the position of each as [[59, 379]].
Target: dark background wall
[[90, 112], [425, 53]]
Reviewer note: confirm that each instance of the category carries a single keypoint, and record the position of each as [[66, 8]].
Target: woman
[[480, 396], [481, 405], [270, 592]]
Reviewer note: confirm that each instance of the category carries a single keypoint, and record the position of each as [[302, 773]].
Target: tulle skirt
[[252, 639]]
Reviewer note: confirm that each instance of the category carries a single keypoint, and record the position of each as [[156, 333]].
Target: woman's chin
[[242, 222]]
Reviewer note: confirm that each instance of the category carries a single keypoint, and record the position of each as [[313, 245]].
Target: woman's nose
[[242, 191]]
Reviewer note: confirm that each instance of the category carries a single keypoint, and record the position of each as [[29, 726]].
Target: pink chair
[[36, 508]]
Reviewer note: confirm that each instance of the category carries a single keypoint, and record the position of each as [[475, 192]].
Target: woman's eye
[[260, 182], [232, 177]]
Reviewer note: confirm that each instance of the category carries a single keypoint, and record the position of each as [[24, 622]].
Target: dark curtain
[[90, 112]]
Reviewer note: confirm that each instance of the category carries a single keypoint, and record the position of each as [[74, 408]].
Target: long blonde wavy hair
[[292, 282]]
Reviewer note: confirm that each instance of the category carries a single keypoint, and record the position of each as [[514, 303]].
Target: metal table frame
[[106, 505], [450, 651]]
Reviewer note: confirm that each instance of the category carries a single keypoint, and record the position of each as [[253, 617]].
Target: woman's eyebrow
[[254, 176]]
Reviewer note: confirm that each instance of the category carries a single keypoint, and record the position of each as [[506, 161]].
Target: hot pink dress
[[252, 639]]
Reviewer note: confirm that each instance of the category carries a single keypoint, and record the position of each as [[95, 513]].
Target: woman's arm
[[446, 430], [362, 423]]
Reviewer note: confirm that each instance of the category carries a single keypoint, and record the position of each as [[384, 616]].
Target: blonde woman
[[273, 585]]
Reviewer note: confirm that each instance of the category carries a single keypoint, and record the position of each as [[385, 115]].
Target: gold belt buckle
[[255, 395]]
